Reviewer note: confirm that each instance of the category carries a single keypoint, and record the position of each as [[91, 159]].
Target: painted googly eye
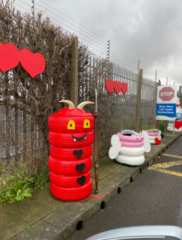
[[86, 123], [71, 125]]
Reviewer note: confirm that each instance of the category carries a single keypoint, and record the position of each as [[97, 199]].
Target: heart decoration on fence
[[32, 63], [157, 141], [109, 84], [116, 86], [10, 56], [178, 124], [124, 88]]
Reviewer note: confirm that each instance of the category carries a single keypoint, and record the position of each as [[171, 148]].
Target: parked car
[[143, 232]]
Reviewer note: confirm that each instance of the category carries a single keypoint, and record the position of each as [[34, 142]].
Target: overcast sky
[[148, 30]]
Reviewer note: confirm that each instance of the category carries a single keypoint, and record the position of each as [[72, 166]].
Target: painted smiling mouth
[[79, 138]]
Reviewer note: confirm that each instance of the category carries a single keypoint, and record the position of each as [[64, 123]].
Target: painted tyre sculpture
[[66, 140], [132, 148], [67, 153], [152, 136], [69, 182], [132, 144], [72, 194], [69, 168], [171, 123], [170, 128], [137, 151], [71, 137], [178, 115], [134, 161]]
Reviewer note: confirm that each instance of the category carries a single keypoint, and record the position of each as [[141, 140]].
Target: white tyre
[[133, 161], [171, 129], [152, 141], [129, 151], [152, 138]]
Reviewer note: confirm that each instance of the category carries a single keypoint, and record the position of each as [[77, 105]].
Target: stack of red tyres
[[70, 159]]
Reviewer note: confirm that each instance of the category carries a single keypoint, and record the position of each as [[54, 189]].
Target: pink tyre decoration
[[132, 144], [132, 148], [130, 138], [71, 137], [152, 136]]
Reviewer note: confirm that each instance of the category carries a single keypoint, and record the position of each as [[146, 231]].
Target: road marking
[[160, 168], [169, 155], [96, 197]]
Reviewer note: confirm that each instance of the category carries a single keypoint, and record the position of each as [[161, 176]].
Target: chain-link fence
[[116, 112]]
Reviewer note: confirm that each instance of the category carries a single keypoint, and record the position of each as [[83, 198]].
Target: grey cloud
[[149, 30]]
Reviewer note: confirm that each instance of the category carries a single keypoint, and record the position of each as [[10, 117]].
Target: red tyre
[[67, 140], [59, 124], [70, 168], [72, 194], [70, 153], [70, 181]]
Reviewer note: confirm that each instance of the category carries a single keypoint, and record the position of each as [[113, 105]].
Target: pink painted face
[[139, 138], [130, 138]]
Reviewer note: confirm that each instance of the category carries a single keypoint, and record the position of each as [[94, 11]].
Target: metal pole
[[96, 144], [155, 75], [108, 50], [108, 56], [138, 70], [33, 9], [166, 81]]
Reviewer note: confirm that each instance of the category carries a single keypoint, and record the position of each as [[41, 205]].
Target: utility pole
[[166, 81]]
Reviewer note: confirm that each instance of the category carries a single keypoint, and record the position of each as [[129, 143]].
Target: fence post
[[74, 71], [137, 115], [158, 121], [180, 92]]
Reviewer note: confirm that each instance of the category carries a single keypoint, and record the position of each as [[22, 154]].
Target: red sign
[[166, 93]]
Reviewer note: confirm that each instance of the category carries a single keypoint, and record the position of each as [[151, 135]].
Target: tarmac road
[[154, 198]]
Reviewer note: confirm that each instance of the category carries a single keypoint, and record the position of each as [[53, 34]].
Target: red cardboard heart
[[109, 84], [178, 125], [117, 87], [157, 141], [9, 56], [124, 88], [32, 63]]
